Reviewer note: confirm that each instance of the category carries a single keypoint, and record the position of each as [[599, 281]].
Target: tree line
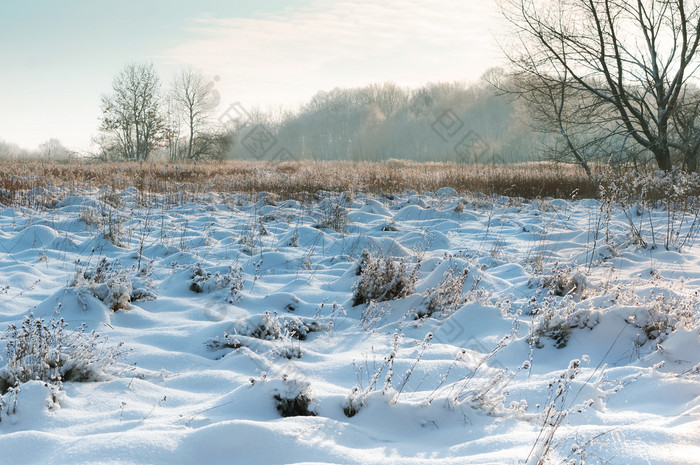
[[52, 149], [383, 121], [140, 122], [589, 81], [139, 118], [586, 81]]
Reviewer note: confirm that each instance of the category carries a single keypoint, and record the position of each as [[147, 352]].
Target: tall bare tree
[[172, 128], [628, 59], [131, 114], [192, 93]]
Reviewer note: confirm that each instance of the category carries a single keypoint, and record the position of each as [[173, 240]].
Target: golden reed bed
[[528, 180]]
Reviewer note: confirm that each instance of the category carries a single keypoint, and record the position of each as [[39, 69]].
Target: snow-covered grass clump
[[350, 328]]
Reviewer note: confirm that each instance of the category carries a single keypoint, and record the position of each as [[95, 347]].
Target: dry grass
[[292, 179]]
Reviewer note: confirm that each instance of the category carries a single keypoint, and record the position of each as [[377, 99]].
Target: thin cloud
[[288, 56]]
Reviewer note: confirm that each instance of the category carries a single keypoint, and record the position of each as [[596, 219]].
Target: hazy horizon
[[62, 58]]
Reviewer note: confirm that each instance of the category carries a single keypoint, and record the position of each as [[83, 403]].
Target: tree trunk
[[661, 151], [691, 160], [189, 149], [663, 158]]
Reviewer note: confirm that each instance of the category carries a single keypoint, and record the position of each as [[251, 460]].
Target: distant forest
[[455, 121], [438, 122]]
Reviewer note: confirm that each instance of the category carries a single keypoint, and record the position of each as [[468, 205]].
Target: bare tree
[[627, 61], [53, 149], [172, 128], [192, 93], [10, 150], [131, 115], [687, 125]]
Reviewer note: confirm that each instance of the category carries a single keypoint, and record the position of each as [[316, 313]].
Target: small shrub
[[269, 326], [293, 398], [448, 296], [357, 397], [333, 216], [9, 405], [365, 258], [89, 216], [200, 277], [354, 402], [204, 282], [676, 191], [660, 315], [47, 351], [390, 226], [227, 341], [564, 281], [383, 279], [555, 319], [554, 414], [110, 283], [299, 329]]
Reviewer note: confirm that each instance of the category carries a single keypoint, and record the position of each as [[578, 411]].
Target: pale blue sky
[[59, 57]]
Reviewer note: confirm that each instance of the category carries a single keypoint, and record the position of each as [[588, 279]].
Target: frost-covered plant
[[110, 283], [89, 216], [680, 192], [293, 397], [555, 318], [204, 281], [294, 240], [402, 384], [383, 279], [564, 281], [200, 278], [8, 401], [227, 341], [559, 407], [358, 395], [394, 384], [660, 315], [336, 311], [289, 348], [250, 239], [268, 326], [390, 226], [489, 395], [49, 352], [299, 329], [373, 314], [141, 282], [676, 191], [354, 402], [113, 230], [448, 296], [554, 414], [333, 216]]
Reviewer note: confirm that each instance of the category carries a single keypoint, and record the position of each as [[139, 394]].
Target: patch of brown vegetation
[[291, 179]]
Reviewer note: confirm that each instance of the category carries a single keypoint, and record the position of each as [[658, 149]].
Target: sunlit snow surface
[[177, 400]]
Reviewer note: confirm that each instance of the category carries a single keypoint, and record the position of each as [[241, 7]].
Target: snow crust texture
[[346, 328]]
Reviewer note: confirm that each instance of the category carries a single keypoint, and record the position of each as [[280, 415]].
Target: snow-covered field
[[512, 330]]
